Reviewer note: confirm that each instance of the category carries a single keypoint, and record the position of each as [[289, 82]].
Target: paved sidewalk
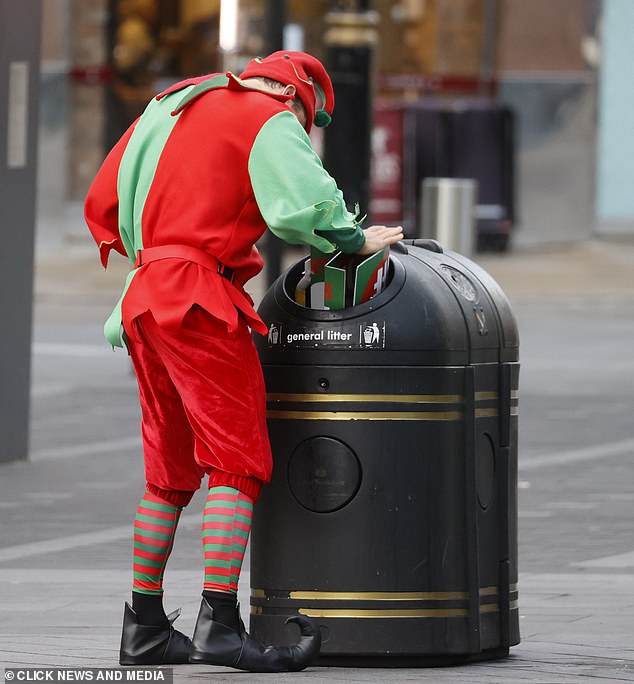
[[66, 514]]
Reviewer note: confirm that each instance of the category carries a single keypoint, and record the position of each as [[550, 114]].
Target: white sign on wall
[[18, 111]]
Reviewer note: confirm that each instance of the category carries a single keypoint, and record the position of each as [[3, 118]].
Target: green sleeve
[[299, 201]]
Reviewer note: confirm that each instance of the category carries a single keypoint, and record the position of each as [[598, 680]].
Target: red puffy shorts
[[203, 406]]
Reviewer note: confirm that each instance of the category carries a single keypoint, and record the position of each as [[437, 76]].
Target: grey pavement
[[66, 513]]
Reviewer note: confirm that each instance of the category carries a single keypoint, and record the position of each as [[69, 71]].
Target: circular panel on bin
[[485, 470], [324, 474]]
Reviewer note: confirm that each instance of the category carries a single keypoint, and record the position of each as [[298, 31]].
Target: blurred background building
[[548, 82]]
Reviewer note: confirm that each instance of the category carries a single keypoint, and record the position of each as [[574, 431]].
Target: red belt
[[186, 252]]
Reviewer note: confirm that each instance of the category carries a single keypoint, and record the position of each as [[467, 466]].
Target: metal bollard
[[448, 213]]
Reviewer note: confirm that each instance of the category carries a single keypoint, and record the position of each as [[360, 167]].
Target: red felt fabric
[[203, 405], [201, 196], [101, 209]]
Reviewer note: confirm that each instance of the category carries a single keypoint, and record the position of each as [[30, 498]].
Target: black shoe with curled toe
[[216, 644], [151, 645]]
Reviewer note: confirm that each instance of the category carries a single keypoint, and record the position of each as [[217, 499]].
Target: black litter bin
[[391, 517]]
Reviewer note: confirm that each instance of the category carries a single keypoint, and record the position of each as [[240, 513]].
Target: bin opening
[[338, 281]]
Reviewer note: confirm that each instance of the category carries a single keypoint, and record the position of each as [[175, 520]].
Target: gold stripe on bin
[[390, 613], [483, 397], [402, 612], [307, 397], [375, 398], [486, 413], [490, 608], [300, 595], [488, 591], [486, 396], [275, 398], [371, 613], [514, 402], [378, 595], [365, 415]]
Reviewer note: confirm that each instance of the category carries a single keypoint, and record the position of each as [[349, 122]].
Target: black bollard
[[350, 39], [19, 89]]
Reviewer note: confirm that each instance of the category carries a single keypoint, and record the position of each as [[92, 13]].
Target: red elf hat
[[306, 73]]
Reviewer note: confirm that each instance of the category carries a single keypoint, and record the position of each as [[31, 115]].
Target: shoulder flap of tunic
[[229, 81]]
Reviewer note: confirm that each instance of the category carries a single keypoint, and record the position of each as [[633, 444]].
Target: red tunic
[[201, 196]]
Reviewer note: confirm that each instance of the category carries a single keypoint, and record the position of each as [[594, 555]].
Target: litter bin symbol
[[371, 334]]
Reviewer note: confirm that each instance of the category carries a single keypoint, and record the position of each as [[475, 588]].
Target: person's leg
[[171, 471], [154, 530], [172, 476], [225, 533]]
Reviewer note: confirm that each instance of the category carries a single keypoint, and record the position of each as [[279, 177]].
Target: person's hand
[[377, 237]]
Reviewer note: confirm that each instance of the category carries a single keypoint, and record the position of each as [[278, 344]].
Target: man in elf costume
[[185, 194]]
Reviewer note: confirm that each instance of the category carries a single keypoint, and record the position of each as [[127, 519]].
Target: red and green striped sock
[[154, 529], [225, 532]]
